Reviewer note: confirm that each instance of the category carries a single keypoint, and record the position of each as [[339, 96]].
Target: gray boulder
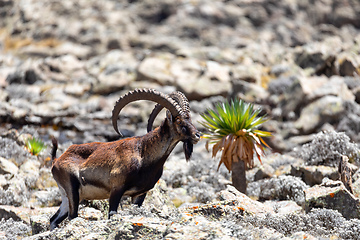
[[312, 175], [328, 109], [7, 167], [16, 192], [326, 148], [13, 230], [278, 188], [332, 195]]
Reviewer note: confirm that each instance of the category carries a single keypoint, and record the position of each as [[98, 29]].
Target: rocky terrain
[[64, 64]]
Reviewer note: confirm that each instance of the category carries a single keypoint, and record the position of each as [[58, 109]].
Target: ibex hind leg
[[74, 197], [139, 199], [62, 212]]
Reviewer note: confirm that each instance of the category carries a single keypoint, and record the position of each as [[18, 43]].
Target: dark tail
[[54, 149]]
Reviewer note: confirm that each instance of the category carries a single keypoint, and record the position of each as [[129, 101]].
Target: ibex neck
[[159, 143]]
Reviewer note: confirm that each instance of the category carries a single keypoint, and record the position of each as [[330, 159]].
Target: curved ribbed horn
[[145, 94], [153, 115], [180, 98]]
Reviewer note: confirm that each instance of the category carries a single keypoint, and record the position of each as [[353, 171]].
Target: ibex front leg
[[114, 201]]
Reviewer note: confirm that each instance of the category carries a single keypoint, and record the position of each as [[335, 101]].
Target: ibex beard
[[129, 166]]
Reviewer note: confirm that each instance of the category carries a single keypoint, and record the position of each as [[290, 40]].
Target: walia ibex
[[129, 166]]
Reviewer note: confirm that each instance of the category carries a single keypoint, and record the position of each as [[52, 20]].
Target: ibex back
[[130, 166]]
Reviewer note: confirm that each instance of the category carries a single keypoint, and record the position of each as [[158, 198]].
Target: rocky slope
[[63, 65]]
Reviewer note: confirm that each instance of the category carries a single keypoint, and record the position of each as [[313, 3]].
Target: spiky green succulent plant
[[233, 129], [34, 145]]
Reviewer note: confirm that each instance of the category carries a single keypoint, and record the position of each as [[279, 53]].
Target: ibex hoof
[[111, 213]]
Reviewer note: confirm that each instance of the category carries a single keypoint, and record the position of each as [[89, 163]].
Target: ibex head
[[178, 114]]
